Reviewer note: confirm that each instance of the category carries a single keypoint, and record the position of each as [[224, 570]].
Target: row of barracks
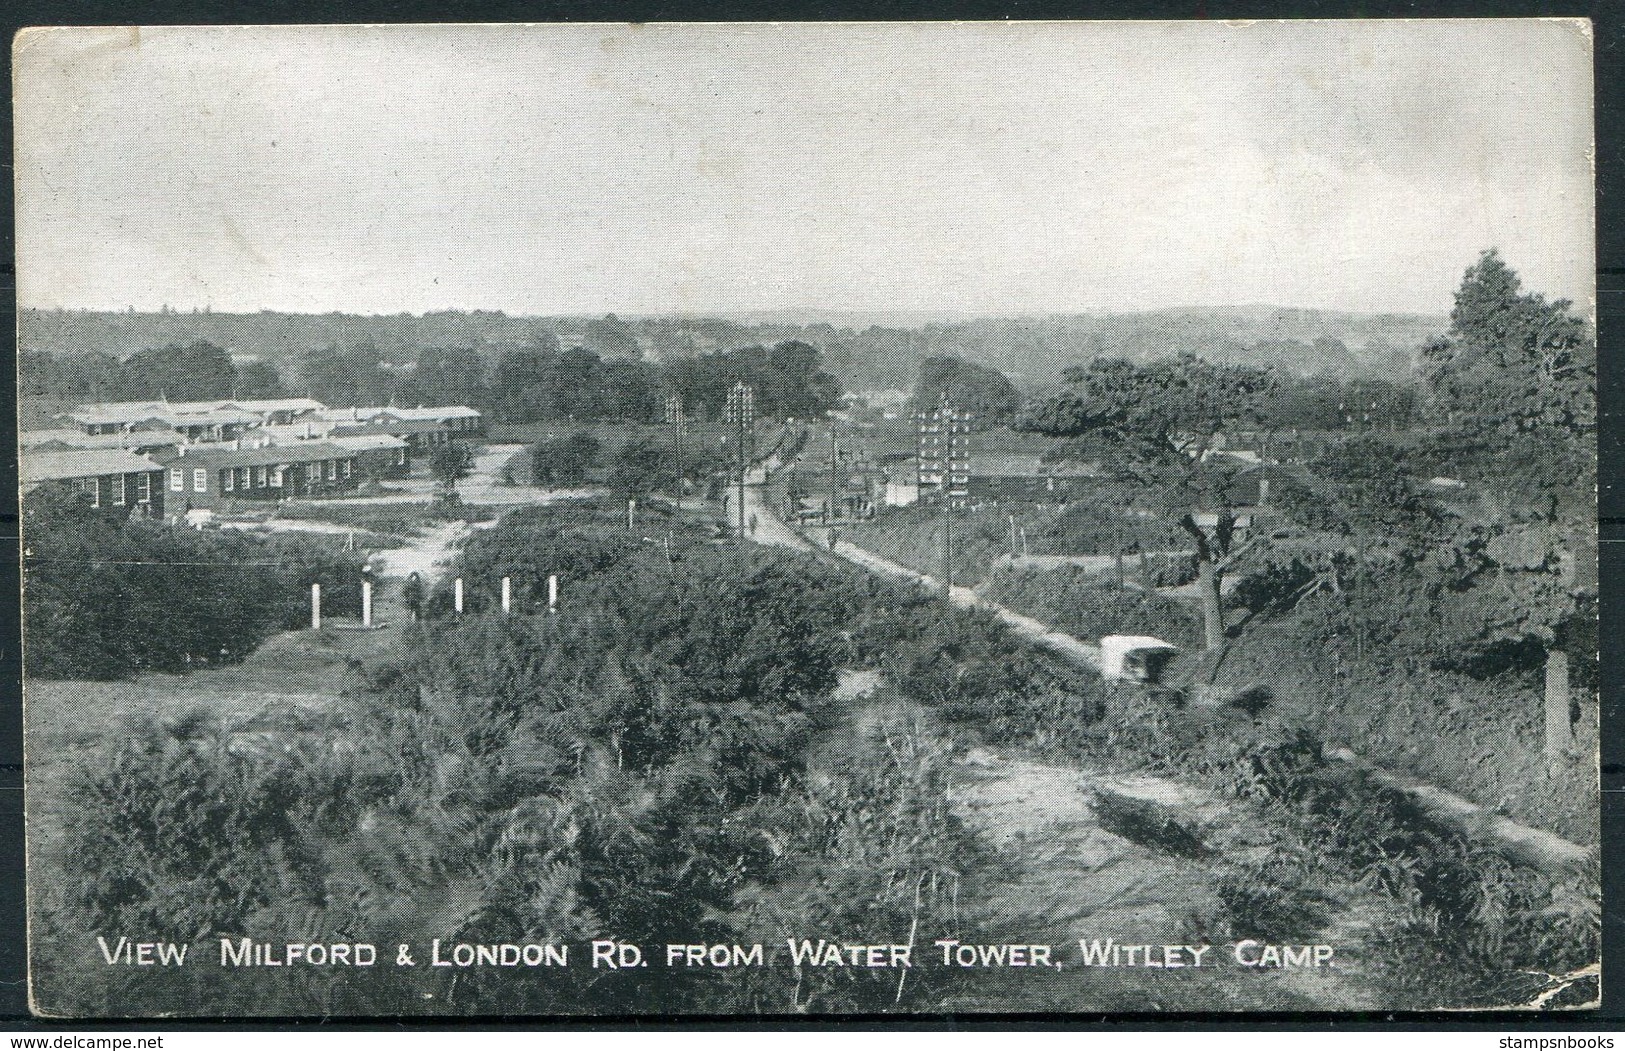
[[161, 457]]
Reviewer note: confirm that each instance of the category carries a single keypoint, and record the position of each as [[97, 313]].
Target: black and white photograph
[[754, 520]]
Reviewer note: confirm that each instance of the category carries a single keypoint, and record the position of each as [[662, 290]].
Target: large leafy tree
[[69, 377], [1515, 382], [1163, 410], [351, 376], [564, 460], [1515, 385], [985, 393], [450, 463], [519, 388], [1512, 358], [1155, 423], [640, 467], [610, 337], [451, 376], [196, 372], [259, 379]]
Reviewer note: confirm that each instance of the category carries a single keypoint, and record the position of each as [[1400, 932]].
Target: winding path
[[770, 529], [1519, 843]]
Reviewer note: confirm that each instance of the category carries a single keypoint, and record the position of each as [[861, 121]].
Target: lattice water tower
[[942, 452]]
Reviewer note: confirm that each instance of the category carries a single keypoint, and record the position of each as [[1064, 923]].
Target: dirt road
[[425, 554], [770, 529], [1064, 878], [485, 485]]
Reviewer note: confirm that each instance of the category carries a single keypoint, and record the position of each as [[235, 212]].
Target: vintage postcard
[[769, 519]]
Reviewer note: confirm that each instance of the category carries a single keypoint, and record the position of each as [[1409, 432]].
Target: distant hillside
[[1031, 351], [270, 335]]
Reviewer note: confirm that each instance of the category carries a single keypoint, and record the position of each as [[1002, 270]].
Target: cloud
[[1004, 168]]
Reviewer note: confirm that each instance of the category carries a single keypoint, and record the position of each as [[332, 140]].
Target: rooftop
[[1023, 465], [70, 438], [231, 454], [47, 466], [363, 442]]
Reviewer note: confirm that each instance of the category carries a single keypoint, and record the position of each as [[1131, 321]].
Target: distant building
[[861, 489], [218, 474], [228, 418], [212, 425], [115, 418], [901, 494], [1284, 446], [277, 410], [57, 439], [460, 420], [1025, 476], [216, 453], [378, 455], [422, 427], [195, 420], [112, 478]]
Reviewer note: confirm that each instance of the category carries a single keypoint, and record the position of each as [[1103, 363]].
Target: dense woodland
[[530, 384], [73, 355]]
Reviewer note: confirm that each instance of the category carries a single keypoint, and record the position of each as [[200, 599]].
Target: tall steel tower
[[741, 411]]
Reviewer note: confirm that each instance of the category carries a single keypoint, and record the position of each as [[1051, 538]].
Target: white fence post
[[507, 594], [457, 595], [315, 607], [366, 603], [552, 592]]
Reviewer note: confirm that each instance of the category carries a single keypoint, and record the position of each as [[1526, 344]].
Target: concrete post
[[315, 607], [552, 592], [631, 510], [1559, 727], [507, 594], [366, 603], [457, 595], [1207, 577]]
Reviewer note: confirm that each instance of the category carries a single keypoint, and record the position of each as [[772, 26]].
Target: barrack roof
[[40, 467], [221, 454]]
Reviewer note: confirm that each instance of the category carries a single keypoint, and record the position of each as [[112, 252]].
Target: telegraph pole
[[955, 470], [834, 484], [674, 416], [741, 411]]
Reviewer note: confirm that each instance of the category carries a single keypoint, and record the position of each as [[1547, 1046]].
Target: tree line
[[528, 384]]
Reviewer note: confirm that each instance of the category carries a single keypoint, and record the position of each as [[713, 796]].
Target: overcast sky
[[964, 169]]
